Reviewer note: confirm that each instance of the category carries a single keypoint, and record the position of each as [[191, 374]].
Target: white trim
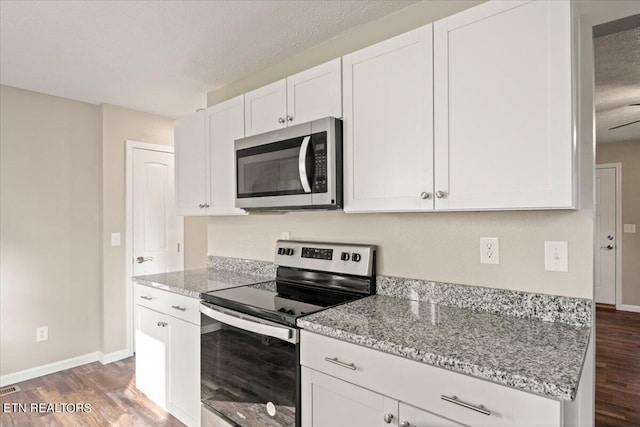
[[130, 146], [49, 368], [627, 307], [618, 237], [114, 356]]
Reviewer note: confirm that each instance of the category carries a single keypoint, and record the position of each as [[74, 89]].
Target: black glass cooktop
[[265, 301]]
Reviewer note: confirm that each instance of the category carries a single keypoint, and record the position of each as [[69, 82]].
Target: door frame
[[618, 231], [130, 147]]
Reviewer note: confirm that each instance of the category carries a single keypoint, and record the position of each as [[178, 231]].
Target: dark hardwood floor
[[109, 389], [617, 368]]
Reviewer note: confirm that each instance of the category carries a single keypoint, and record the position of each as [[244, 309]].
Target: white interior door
[[157, 230], [605, 236]]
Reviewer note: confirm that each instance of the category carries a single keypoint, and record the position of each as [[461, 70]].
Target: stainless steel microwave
[[299, 167]]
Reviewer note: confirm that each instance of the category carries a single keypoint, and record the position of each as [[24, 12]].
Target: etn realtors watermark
[[42, 407]]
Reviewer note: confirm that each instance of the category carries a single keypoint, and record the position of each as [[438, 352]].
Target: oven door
[[249, 370]]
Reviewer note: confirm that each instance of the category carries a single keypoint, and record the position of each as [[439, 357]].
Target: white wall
[[49, 245]]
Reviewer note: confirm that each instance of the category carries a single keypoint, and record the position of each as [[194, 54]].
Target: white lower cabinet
[[344, 384], [168, 355]]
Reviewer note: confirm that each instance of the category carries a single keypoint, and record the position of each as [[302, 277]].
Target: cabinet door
[[329, 402], [414, 417], [315, 93], [151, 364], [388, 124], [503, 109], [266, 108], [191, 158], [183, 360], [225, 123]]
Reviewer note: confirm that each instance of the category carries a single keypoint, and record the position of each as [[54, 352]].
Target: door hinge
[[178, 247]]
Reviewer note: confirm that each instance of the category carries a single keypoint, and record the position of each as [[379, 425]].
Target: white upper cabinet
[[225, 123], [312, 94], [265, 109], [191, 164], [388, 124], [315, 93], [205, 173], [503, 107]]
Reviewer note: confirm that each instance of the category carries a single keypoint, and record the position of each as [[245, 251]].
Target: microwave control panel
[[319, 141]]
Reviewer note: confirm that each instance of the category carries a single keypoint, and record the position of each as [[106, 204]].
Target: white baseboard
[[50, 368], [627, 307], [47, 369], [114, 356]]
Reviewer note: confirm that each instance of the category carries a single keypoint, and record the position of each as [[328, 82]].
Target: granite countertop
[[192, 282], [526, 353]]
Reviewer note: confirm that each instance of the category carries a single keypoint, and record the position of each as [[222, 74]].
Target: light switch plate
[[556, 256], [115, 239], [629, 228]]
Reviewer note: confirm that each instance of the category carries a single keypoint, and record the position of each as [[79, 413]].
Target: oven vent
[[8, 390]]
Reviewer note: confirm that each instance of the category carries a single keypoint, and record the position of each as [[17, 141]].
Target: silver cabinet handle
[[280, 120], [388, 418], [177, 307], [163, 324], [425, 196], [289, 118], [441, 194], [146, 297], [142, 259], [454, 399], [405, 424], [206, 205], [608, 247], [335, 361]]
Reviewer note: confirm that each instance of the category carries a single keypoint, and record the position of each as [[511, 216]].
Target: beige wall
[[49, 244], [627, 153], [436, 246], [62, 175], [118, 125]]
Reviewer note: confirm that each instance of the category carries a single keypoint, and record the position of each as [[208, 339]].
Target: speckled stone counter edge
[[521, 382], [551, 308], [244, 266]]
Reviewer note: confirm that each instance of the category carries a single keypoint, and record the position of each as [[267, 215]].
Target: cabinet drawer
[[424, 386], [175, 305]]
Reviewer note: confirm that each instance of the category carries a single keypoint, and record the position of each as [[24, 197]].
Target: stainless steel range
[[250, 373]]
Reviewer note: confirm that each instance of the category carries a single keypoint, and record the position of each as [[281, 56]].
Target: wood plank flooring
[[109, 389], [617, 368]]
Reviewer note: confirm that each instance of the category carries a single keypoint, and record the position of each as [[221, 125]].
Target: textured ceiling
[[617, 59], [161, 56]]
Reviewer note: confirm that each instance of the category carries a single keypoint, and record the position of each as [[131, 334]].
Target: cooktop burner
[[311, 276]]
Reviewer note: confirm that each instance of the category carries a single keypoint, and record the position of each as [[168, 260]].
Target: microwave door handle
[[247, 325], [302, 164]]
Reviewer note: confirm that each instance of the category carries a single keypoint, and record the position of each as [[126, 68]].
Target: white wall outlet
[[489, 250], [556, 256], [115, 239], [285, 235], [42, 333], [629, 228]]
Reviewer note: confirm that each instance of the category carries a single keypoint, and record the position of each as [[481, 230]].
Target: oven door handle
[[247, 325], [302, 164]]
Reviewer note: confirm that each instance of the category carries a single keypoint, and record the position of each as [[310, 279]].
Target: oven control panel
[[330, 257]]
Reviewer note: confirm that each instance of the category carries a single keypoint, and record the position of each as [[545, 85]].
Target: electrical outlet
[[489, 250], [42, 333], [115, 239], [629, 228], [556, 256], [285, 235]]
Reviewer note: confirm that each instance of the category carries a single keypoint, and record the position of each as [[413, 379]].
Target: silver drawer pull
[[335, 361], [146, 297], [454, 399], [177, 307]]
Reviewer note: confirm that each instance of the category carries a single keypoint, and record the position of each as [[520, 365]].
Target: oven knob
[[280, 251], [356, 257], [344, 256], [289, 251]]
